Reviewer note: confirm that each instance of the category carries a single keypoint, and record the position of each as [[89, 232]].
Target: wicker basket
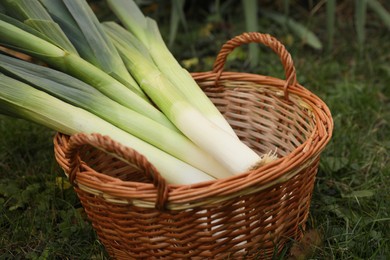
[[251, 215]]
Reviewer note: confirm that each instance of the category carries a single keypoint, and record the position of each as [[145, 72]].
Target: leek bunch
[[117, 81]]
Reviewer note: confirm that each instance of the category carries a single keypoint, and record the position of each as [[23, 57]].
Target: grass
[[351, 198], [41, 217]]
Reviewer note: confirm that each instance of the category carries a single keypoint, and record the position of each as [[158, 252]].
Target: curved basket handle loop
[[124, 153], [265, 39]]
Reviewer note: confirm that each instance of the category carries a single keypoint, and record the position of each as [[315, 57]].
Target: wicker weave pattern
[[251, 215]]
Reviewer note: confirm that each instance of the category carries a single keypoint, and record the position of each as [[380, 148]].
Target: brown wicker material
[[136, 214]]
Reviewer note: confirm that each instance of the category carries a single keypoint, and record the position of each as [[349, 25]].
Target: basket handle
[[265, 39], [122, 152]]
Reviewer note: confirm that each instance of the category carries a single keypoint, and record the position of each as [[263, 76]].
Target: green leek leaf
[[35, 15], [84, 30]]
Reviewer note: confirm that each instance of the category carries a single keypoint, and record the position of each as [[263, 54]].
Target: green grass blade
[[251, 12], [300, 30], [382, 13], [360, 21], [286, 7], [177, 16], [330, 21]]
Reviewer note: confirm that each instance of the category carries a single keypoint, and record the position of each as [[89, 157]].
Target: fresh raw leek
[[24, 101], [14, 34], [147, 32], [227, 149], [78, 93], [74, 25], [117, 81]]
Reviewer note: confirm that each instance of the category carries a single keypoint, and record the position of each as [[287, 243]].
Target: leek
[[147, 32], [90, 41], [182, 133], [20, 39], [78, 93], [225, 148], [24, 101]]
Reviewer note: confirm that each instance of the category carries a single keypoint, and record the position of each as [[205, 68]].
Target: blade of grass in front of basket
[[78, 93], [91, 43], [225, 148], [147, 32], [19, 39], [20, 99]]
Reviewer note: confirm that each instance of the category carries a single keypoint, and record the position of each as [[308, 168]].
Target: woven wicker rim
[[178, 197]]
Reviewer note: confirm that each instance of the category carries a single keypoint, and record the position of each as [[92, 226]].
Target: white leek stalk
[[24, 101], [229, 151]]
